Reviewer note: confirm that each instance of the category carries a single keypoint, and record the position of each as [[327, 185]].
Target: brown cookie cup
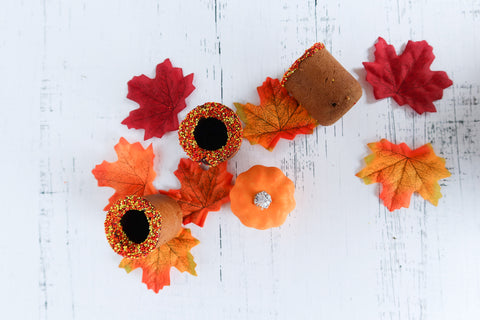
[[171, 216], [322, 85], [135, 225]]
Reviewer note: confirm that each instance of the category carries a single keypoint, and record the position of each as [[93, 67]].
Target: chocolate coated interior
[[135, 225], [210, 134]]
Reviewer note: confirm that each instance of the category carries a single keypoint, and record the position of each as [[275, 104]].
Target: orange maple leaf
[[201, 190], [278, 116], [131, 174], [156, 266], [402, 171]]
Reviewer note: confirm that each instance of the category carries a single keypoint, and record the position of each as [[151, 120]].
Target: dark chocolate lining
[[135, 225], [210, 134]]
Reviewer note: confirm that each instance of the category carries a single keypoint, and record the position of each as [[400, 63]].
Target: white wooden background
[[64, 66]]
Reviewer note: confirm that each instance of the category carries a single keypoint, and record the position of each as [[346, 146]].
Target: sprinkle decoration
[[117, 238], [220, 112], [308, 53]]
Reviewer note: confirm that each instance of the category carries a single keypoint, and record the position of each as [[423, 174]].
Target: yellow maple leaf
[[156, 265], [278, 116]]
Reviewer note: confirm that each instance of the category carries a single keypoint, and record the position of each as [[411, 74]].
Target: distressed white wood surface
[[341, 254]]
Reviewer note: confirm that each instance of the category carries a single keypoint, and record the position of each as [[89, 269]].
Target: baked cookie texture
[[322, 85], [171, 216]]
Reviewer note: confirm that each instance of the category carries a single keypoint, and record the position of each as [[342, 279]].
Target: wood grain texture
[[340, 255]]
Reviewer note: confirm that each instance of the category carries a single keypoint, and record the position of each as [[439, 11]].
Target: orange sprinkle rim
[[222, 113], [308, 53], [117, 238]]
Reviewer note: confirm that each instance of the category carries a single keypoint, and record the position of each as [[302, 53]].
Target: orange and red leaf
[[278, 116], [202, 190], [402, 171], [131, 174], [156, 266]]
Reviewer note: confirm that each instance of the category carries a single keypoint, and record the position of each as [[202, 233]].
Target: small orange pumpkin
[[262, 197]]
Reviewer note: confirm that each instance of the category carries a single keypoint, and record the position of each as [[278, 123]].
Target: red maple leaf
[[160, 100], [406, 78], [131, 174], [201, 190]]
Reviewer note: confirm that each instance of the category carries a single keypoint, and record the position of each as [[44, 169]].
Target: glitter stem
[[262, 200]]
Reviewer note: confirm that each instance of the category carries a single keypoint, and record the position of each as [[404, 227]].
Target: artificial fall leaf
[[402, 171], [156, 266], [406, 78], [131, 174], [278, 116], [160, 100], [201, 190]]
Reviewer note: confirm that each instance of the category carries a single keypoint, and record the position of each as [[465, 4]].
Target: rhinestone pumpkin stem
[[262, 200]]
